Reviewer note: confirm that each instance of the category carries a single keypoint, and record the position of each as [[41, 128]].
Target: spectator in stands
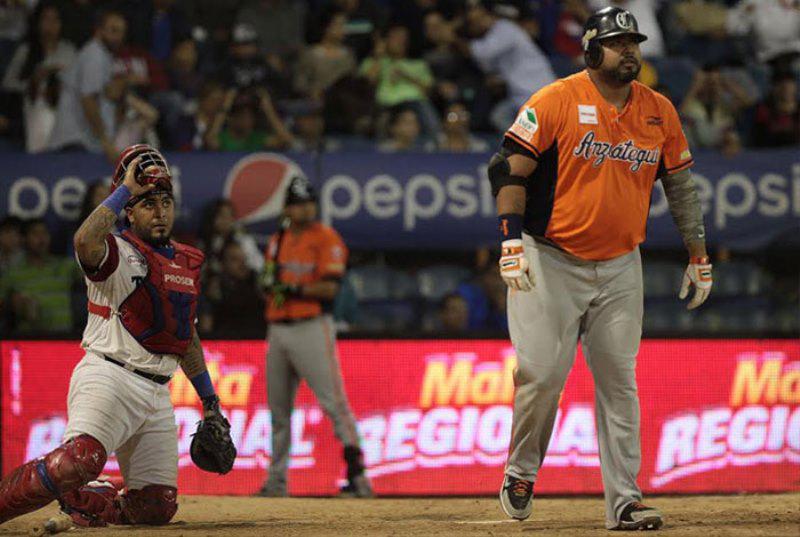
[[321, 65], [777, 118], [506, 53], [710, 107], [455, 132], [184, 83], [453, 315], [236, 304], [13, 24], [79, 120], [192, 130], [400, 80], [279, 27], [219, 227], [35, 72], [646, 16], [156, 26], [247, 69], [774, 26], [133, 118], [404, 132], [364, 20], [485, 296], [37, 290], [78, 20], [241, 131], [569, 30], [309, 130], [412, 15], [456, 77], [10, 243]]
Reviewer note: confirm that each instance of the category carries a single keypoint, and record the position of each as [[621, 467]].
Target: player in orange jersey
[[573, 182]]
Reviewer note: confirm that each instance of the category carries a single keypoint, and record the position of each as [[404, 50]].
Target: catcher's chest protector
[[160, 311]]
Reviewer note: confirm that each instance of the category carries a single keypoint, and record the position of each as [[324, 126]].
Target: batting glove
[[698, 273], [514, 267]]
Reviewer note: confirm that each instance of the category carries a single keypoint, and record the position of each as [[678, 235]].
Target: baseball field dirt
[[710, 516]]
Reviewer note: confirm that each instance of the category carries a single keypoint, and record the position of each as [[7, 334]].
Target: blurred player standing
[[304, 264], [143, 291], [573, 182]]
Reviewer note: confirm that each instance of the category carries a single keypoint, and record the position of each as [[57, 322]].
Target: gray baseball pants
[[304, 350], [601, 302]]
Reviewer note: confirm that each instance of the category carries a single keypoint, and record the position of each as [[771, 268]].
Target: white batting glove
[[514, 266], [698, 273]]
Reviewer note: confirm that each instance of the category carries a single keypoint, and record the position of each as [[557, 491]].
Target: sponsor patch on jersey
[[526, 124], [686, 154], [654, 120], [587, 114], [135, 260]]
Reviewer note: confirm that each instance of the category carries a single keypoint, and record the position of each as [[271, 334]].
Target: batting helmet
[[607, 22], [152, 169], [299, 191]]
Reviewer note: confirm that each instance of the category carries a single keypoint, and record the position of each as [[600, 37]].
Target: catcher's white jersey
[[114, 280]]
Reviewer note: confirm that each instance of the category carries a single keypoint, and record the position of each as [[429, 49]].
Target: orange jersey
[[313, 254], [590, 193]]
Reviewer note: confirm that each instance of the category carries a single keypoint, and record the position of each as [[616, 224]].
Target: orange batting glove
[[698, 273], [514, 267]]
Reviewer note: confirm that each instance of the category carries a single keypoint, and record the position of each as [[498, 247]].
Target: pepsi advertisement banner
[[404, 201]]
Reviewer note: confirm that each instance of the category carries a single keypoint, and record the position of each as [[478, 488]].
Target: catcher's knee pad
[[76, 462], [153, 504]]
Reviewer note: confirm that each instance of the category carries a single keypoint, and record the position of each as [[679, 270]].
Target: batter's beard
[[626, 76]]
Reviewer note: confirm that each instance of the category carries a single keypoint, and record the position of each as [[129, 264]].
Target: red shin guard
[[98, 504], [38, 482]]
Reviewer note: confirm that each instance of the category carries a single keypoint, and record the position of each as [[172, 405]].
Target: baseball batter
[[142, 290], [573, 182], [304, 263]]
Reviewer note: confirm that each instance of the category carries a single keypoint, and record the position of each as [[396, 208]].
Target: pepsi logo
[[257, 184]]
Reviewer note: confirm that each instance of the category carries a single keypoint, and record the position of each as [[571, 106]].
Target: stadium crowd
[[392, 76]]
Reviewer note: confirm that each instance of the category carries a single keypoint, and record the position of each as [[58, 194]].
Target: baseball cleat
[[636, 516], [358, 487], [515, 497]]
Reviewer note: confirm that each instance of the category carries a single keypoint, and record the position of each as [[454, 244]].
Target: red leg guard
[[38, 482], [94, 505], [154, 505]]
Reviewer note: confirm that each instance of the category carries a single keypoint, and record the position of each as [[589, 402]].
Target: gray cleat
[[636, 516], [516, 497]]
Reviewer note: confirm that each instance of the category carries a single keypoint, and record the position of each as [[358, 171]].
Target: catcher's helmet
[[152, 169], [300, 191], [607, 22]]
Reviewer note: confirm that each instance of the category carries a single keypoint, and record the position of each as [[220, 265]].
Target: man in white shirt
[[502, 48], [80, 121]]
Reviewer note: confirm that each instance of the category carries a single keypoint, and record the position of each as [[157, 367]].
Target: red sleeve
[[332, 259], [107, 266], [539, 120], [675, 153]]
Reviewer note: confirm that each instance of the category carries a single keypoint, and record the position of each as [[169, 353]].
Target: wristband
[[117, 200], [510, 226], [698, 260], [202, 385]]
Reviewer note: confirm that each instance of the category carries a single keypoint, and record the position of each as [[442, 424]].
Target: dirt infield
[[709, 516]]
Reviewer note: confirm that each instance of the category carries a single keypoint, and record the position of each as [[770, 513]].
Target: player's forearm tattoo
[[90, 239], [193, 362], [684, 205]]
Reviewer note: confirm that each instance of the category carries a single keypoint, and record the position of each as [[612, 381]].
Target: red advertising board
[[435, 416]]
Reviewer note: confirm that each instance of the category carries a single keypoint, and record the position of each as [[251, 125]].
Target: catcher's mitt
[[212, 449]]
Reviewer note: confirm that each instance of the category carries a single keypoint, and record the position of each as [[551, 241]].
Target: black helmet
[[607, 22], [299, 191]]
